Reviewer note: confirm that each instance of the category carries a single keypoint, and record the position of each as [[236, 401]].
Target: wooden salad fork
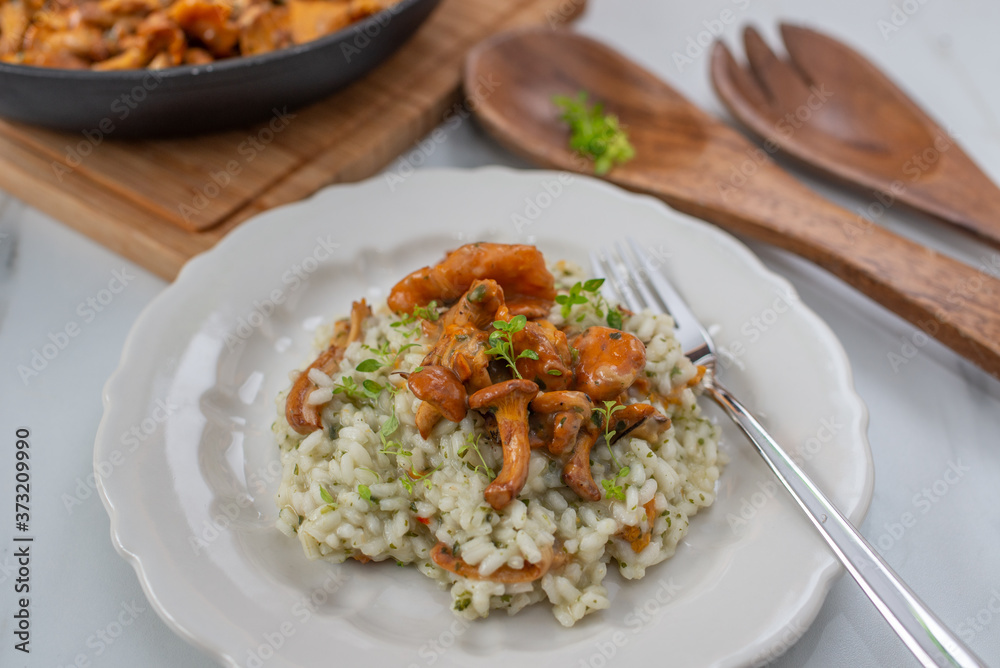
[[831, 109], [701, 166]]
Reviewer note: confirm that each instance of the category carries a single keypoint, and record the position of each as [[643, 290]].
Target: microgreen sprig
[[611, 488], [428, 312], [472, 442], [368, 390], [588, 292], [502, 342], [387, 357], [425, 476], [388, 428]]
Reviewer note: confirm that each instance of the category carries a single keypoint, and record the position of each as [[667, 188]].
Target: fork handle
[[924, 634]]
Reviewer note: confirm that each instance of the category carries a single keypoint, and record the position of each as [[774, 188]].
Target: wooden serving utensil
[[831, 109], [699, 165]]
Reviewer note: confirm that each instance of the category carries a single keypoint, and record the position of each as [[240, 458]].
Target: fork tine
[[638, 269], [619, 283], [781, 82], [599, 269], [624, 277], [695, 341], [735, 84], [822, 59]]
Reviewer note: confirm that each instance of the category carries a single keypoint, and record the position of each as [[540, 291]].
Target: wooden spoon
[[698, 165], [831, 109]]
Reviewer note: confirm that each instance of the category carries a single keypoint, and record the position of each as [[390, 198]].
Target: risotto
[[524, 471]]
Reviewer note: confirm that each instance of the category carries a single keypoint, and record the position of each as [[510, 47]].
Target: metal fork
[[637, 283]]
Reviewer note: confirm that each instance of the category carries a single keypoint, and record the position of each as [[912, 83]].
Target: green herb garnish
[[594, 134], [611, 488], [472, 442], [589, 292], [502, 342]]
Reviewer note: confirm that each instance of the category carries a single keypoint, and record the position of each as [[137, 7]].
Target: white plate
[[187, 466]]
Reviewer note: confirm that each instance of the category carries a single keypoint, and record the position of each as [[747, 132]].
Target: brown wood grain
[[701, 166], [146, 199], [862, 129]]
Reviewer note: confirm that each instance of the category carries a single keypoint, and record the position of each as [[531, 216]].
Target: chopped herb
[[365, 492], [594, 134], [554, 372], [463, 602], [325, 495], [428, 312], [477, 294]]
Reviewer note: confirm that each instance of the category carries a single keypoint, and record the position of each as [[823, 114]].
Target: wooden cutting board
[[161, 202]]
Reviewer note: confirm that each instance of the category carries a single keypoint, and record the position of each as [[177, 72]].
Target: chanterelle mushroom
[[302, 416], [576, 472], [441, 389], [639, 421], [562, 413], [610, 361], [443, 557], [508, 401], [519, 269]]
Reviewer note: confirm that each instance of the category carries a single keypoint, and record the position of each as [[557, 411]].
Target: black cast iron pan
[[195, 99]]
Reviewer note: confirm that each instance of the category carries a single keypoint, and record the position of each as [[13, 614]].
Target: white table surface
[[928, 414]]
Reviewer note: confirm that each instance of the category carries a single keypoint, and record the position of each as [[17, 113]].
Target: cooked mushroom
[[441, 390], [639, 421], [508, 401], [576, 472], [426, 419], [639, 538], [530, 307], [610, 360], [442, 555], [520, 270], [477, 307], [562, 414], [551, 371], [462, 343], [302, 416]]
